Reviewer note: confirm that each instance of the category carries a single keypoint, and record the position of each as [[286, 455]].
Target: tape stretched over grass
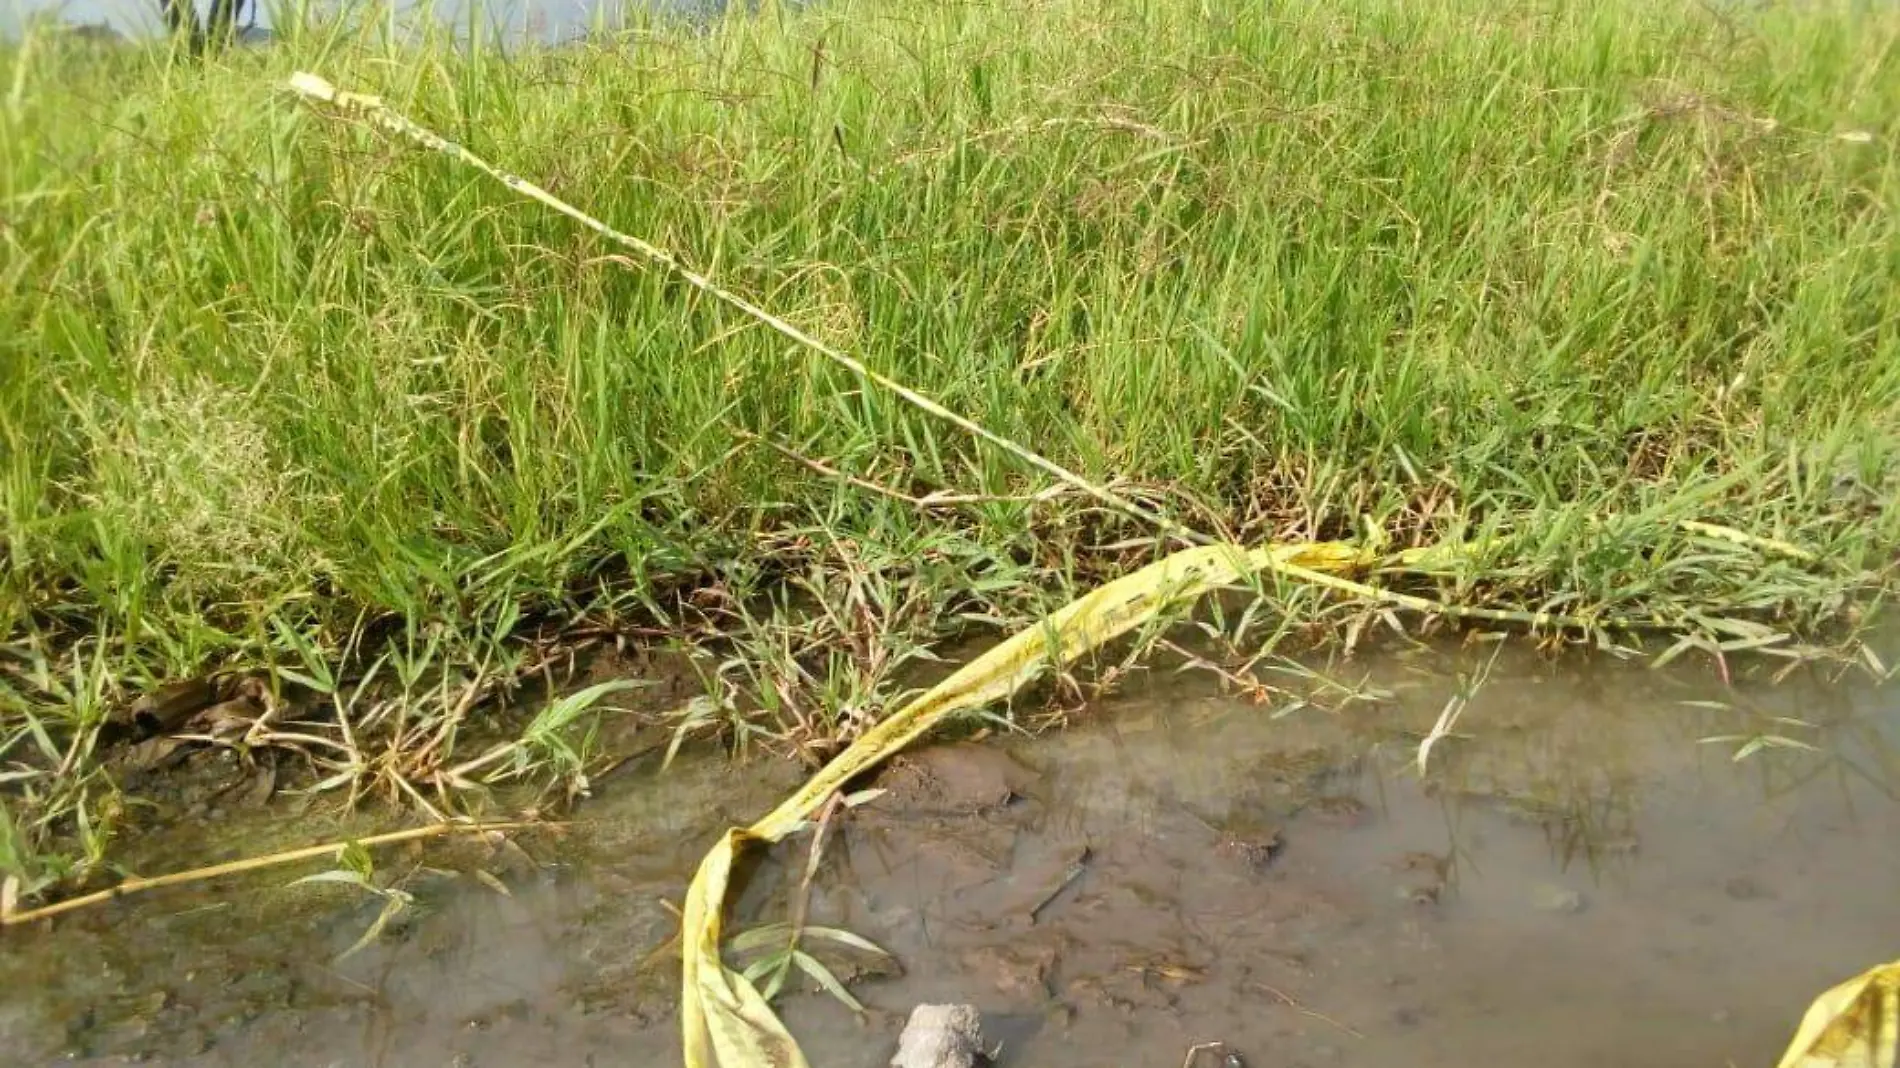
[[372, 109]]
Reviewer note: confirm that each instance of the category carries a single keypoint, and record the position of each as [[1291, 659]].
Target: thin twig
[[403, 784], [801, 907], [1249, 687], [1293, 1003], [235, 867], [472, 694]]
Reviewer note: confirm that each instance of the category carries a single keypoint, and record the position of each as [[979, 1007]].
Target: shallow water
[[1581, 878]]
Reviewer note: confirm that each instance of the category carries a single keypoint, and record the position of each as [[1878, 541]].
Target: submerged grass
[[1549, 279]]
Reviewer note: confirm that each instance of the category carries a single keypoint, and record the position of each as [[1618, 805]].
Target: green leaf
[[336, 876], [844, 937], [759, 937], [392, 906], [810, 966], [357, 859]]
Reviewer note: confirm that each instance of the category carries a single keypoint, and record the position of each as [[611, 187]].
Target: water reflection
[[1590, 763]]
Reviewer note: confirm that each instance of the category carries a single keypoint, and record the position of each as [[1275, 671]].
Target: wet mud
[[1583, 875]]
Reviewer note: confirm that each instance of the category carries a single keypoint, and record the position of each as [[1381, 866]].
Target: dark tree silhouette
[[181, 18], [222, 25]]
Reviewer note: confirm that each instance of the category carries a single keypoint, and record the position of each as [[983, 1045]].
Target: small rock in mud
[[1548, 897], [1254, 847], [1018, 972], [1743, 888], [1421, 877], [962, 779], [1059, 1014], [1130, 990], [941, 1036]]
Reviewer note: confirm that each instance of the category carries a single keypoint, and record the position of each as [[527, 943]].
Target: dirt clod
[[941, 1036], [1016, 971], [953, 780]]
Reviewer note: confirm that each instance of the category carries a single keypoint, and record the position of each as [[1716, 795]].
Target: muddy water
[[1582, 877]]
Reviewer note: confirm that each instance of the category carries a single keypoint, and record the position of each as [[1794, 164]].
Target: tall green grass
[[1555, 274]]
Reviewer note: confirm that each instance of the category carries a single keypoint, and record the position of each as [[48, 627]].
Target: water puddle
[[1583, 877]]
